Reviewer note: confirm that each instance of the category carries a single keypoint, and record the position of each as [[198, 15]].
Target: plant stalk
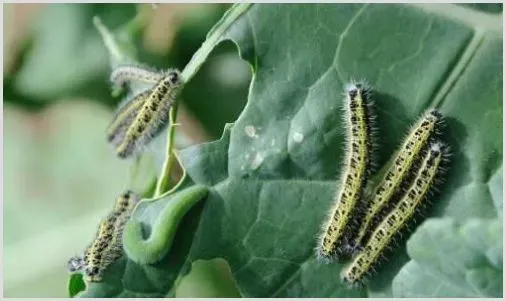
[[164, 181]]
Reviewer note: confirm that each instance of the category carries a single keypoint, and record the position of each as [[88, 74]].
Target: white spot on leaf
[[298, 137], [250, 131], [257, 161]]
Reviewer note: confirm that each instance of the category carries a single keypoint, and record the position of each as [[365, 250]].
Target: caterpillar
[[107, 246], [151, 249], [334, 240], [145, 115], [413, 199], [398, 172], [123, 74]]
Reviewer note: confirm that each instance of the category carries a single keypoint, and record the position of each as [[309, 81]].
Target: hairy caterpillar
[[140, 119], [107, 246], [151, 249], [124, 74], [334, 240], [391, 183], [411, 201]]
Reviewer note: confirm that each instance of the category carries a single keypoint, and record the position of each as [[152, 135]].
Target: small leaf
[[76, 284]]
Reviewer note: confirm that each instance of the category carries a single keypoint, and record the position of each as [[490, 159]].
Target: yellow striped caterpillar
[[334, 240], [145, 114], [107, 246], [398, 172], [413, 199]]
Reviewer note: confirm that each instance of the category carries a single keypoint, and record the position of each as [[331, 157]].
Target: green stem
[[164, 180]]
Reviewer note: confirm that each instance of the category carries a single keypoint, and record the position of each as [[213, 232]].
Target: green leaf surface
[[450, 260], [274, 172], [206, 280], [76, 284]]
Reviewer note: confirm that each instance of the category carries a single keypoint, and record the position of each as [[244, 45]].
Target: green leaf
[[274, 170], [76, 284], [206, 280], [272, 174], [243, 213], [147, 239], [450, 260]]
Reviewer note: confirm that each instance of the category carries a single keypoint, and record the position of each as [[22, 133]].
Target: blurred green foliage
[[64, 59]]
